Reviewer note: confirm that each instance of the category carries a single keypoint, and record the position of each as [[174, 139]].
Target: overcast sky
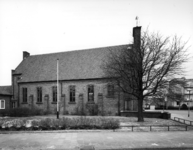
[[48, 26]]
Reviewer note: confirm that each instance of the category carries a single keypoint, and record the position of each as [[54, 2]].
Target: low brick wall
[[147, 114]]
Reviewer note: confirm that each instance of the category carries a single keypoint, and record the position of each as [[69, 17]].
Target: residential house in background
[[82, 83], [5, 97], [184, 93], [188, 92], [177, 93]]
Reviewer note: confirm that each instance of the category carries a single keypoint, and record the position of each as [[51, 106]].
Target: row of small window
[[2, 104], [72, 91]]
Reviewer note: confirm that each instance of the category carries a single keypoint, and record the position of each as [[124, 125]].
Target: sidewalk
[[181, 114], [100, 140], [97, 140]]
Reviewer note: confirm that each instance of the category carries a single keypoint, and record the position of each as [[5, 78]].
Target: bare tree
[[144, 67]]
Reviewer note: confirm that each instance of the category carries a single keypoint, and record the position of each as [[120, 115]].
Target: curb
[[81, 131], [53, 131]]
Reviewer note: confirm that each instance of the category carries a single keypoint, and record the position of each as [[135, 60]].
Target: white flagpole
[[57, 89]]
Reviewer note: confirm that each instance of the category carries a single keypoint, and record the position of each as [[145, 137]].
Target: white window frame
[[0, 103]]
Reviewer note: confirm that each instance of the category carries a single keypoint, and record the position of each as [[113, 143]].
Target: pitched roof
[[5, 90], [80, 64]]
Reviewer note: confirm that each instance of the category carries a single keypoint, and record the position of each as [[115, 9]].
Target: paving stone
[[97, 140]]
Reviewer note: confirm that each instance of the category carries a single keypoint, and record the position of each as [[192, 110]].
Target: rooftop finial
[[136, 20]]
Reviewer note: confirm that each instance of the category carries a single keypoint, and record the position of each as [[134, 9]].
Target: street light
[[57, 113], [189, 103]]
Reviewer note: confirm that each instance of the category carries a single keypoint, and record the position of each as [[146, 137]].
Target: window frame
[[72, 93], [54, 94], [2, 100], [90, 91], [24, 95], [39, 94]]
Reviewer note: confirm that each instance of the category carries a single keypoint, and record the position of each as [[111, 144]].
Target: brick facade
[[102, 105]]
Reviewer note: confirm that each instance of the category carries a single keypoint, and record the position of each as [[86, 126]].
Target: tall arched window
[[91, 93], [72, 93]]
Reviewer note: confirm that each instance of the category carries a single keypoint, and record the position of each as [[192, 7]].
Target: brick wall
[[109, 105]]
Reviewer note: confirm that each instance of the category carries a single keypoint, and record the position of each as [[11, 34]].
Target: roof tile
[[80, 64], [5, 90]]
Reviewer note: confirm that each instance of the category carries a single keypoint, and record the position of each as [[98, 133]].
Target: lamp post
[[189, 103], [57, 89]]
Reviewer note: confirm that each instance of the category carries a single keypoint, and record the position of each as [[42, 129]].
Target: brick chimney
[[137, 36], [25, 55]]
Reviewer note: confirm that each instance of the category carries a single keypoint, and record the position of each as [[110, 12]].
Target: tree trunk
[[140, 108]]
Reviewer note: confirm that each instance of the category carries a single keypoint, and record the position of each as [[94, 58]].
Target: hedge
[[61, 124], [22, 112]]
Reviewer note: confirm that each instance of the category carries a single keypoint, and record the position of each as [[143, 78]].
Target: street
[[97, 140], [102, 139]]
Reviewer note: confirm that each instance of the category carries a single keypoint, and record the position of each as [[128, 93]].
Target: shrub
[[49, 123], [62, 123], [23, 112], [45, 123], [19, 112], [19, 123], [92, 109], [93, 123], [3, 112], [16, 112], [1, 123], [183, 107], [110, 123], [78, 123], [35, 123]]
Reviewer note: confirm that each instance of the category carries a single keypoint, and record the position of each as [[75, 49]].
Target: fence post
[[186, 128], [150, 128], [168, 128], [132, 128]]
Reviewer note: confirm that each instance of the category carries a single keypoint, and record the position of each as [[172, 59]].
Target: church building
[[83, 87]]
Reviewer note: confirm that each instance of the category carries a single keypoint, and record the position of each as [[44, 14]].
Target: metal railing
[[158, 127], [183, 121]]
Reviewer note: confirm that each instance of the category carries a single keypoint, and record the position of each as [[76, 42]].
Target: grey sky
[[46, 26]]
